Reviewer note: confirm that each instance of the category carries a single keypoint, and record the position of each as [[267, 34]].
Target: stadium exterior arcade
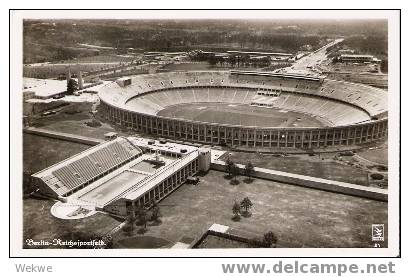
[[357, 113]]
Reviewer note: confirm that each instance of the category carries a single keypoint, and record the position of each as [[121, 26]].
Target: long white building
[[121, 175]]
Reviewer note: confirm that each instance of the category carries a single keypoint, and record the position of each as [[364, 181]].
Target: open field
[[188, 66], [142, 242], [102, 59], [72, 119], [239, 115], [40, 152], [40, 224], [305, 165], [375, 80], [300, 217], [377, 155], [49, 71], [367, 74]]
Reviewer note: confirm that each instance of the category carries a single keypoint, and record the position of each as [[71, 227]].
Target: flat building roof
[[44, 87]]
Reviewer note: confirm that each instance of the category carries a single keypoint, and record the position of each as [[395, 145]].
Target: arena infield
[[241, 114]]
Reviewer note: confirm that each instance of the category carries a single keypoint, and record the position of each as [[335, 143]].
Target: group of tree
[[72, 86], [242, 60], [269, 240], [372, 44], [142, 216], [242, 208], [108, 241], [233, 170], [249, 170]]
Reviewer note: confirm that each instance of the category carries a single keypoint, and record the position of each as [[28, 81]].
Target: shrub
[[377, 176]]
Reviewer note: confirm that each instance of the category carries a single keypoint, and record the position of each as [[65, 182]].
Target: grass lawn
[[240, 114], [41, 152], [141, 242], [305, 165], [67, 121], [188, 66], [378, 155], [300, 217]]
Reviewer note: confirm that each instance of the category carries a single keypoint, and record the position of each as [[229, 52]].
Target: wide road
[[307, 64]]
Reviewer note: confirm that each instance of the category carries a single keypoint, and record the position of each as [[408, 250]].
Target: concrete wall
[[313, 182], [62, 136]]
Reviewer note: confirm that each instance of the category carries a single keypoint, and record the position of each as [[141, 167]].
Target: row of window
[[160, 190]]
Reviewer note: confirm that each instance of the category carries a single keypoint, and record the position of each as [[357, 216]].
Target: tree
[[254, 243], [247, 204], [234, 170], [229, 164], [384, 66], [270, 239], [72, 86], [249, 170], [130, 221], [232, 60], [212, 60], [143, 216], [156, 213], [108, 241], [236, 209], [265, 61]]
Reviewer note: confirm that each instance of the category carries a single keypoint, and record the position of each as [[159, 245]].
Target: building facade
[[253, 137], [367, 122]]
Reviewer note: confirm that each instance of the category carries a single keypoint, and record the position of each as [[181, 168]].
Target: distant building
[[346, 51], [110, 136], [43, 88], [271, 54], [359, 59], [123, 82]]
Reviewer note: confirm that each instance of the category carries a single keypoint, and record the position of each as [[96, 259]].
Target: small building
[[123, 82], [44, 88], [275, 54], [359, 59], [110, 136], [346, 51]]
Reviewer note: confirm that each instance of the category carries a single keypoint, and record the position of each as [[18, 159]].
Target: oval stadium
[[247, 109]]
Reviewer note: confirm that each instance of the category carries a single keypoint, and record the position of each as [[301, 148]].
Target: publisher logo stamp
[[377, 232]]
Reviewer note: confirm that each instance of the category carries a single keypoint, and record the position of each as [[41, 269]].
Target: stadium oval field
[[259, 110]]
